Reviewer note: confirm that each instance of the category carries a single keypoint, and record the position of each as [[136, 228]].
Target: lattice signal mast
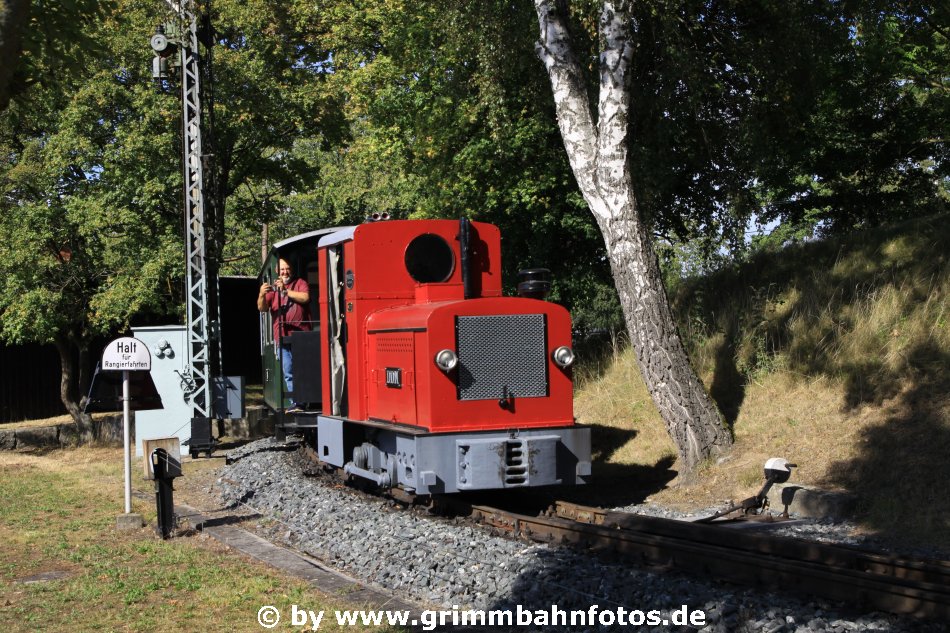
[[181, 37]]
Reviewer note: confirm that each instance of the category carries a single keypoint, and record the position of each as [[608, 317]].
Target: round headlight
[[563, 357], [446, 360]]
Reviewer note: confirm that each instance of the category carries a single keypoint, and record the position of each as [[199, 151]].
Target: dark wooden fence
[[29, 382]]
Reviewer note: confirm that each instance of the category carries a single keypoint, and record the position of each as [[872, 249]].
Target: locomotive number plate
[[394, 377]]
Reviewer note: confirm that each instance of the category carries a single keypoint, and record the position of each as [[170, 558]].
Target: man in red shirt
[[288, 302]]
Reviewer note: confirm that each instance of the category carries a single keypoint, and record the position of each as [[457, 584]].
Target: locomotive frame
[[428, 379]]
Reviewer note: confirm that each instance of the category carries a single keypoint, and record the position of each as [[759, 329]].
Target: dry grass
[[619, 406], [53, 421], [834, 356]]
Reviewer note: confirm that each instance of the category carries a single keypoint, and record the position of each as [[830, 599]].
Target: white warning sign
[[126, 354]]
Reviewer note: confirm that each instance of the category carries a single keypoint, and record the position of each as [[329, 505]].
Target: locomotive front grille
[[501, 357]]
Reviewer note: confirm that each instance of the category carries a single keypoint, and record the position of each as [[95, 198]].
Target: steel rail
[[870, 581], [841, 556]]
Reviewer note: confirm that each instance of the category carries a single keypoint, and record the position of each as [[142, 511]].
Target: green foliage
[[46, 43], [741, 111], [91, 183], [450, 114], [873, 146], [270, 97], [822, 116], [88, 199], [447, 112]]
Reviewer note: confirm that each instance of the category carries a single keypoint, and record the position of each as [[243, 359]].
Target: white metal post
[[126, 436]]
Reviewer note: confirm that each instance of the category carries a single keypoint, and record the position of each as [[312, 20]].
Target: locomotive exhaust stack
[[534, 283]]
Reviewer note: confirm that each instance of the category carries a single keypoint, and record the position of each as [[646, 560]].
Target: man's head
[[284, 270]]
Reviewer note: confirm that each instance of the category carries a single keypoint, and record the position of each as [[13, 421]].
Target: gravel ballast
[[441, 564]]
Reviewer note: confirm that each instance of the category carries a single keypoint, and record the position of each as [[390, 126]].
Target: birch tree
[[596, 137]]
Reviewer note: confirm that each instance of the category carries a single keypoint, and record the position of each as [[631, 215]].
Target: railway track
[[867, 580], [870, 581]]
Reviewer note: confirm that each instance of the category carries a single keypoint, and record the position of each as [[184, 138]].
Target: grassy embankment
[[57, 514], [834, 355]]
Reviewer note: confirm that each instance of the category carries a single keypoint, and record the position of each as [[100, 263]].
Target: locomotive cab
[[301, 252], [383, 280]]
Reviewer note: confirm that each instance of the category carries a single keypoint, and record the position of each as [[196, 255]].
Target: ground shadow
[[564, 583], [798, 311], [728, 384], [605, 441], [917, 429], [230, 519], [757, 306], [613, 484], [232, 444]]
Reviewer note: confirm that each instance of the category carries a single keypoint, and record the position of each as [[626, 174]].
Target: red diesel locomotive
[[418, 373]]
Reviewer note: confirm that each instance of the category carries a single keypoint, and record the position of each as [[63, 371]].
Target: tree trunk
[[14, 20], [67, 389], [691, 417], [85, 377], [598, 156]]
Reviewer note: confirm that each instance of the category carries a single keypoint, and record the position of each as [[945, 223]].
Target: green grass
[[57, 513]]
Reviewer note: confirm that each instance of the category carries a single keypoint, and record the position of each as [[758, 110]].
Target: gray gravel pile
[[438, 563]]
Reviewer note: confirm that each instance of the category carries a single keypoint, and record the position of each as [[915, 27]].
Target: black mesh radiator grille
[[501, 356]]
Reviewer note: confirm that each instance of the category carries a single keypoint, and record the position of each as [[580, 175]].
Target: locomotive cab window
[[429, 259]]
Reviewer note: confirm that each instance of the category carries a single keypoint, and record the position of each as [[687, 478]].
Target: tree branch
[[236, 258], [935, 27]]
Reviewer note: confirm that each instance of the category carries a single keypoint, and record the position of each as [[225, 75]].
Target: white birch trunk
[[598, 156]]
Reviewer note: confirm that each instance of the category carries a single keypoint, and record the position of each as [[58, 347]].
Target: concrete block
[[238, 428], [130, 521], [68, 435], [257, 423], [7, 440], [262, 422], [254, 417], [812, 502], [37, 437], [109, 428]]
